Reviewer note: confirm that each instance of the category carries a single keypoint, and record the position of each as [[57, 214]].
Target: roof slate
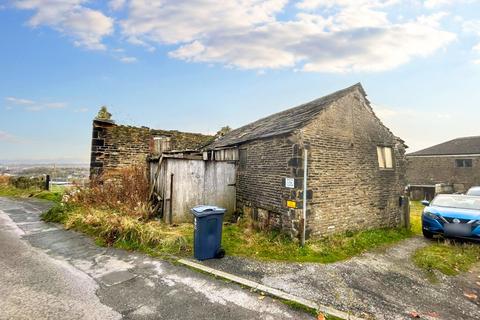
[[282, 122], [459, 146]]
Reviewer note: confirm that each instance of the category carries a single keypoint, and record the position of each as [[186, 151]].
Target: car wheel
[[427, 234]]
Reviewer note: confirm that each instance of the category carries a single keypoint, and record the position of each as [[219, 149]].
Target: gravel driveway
[[377, 285]]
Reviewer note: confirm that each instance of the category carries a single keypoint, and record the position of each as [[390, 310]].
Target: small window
[[385, 157], [242, 159], [463, 163]]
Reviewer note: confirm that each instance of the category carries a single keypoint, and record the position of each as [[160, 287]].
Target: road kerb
[[268, 290]]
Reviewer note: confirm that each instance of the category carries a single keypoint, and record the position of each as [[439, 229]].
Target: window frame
[[385, 158], [242, 159], [466, 163], [160, 141]]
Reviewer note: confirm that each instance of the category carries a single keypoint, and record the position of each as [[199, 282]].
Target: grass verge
[[10, 191], [112, 228], [242, 241], [156, 238], [448, 257], [416, 209]]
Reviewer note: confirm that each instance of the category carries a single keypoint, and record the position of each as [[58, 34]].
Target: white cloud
[[356, 36], [34, 108], [55, 105], [116, 4], [128, 59], [173, 22], [314, 4], [7, 137], [316, 35], [418, 120], [87, 27], [376, 48], [81, 110], [473, 26], [434, 4], [19, 101], [31, 105], [437, 3], [392, 113]]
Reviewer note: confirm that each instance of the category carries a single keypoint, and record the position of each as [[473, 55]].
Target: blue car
[[452, 215]]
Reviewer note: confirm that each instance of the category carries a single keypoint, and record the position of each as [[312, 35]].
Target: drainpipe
[[304, 218]]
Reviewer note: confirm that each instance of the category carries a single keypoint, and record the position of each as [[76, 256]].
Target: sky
[[199, 65]]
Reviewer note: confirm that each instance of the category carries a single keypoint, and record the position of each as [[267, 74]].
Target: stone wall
[[433, 170], [350, 190], [346, 188], [117, 146], [260, 184]]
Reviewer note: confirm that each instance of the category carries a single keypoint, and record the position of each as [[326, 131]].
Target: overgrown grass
[[156, 238], [416, 209], [112, 228], [448, 257], [242, 241]]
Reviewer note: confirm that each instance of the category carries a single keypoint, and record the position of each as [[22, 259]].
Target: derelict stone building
[[118, 146], [356, 167]]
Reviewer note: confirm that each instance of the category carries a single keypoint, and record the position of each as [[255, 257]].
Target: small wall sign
[[290, 183], [291, 204]]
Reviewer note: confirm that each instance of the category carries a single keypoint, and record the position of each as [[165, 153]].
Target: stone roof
[[282, 122], [459, 146]]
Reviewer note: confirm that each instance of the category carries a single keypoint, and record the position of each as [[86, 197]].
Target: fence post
[[47, 182], [406, 212]]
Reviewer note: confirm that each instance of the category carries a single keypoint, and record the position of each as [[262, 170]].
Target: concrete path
[[50, 273], [378, 285]]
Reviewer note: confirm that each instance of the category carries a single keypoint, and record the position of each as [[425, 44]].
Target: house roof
[[282, 122], [459, 146]]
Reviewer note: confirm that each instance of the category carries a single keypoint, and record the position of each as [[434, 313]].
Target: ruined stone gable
[[117, 146]]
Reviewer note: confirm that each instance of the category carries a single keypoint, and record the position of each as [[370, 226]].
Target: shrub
[[125, 190], [4, 180], [23, 182]]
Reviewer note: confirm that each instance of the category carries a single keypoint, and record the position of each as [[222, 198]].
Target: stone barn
[[452, 166], [355, 167]]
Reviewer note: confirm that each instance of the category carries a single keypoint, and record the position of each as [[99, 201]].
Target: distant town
[[60, 173]]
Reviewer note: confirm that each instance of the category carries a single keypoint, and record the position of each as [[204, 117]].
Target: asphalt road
[[50, 273]]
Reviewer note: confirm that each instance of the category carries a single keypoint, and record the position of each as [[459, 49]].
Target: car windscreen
[[474, 192], [457, 201]]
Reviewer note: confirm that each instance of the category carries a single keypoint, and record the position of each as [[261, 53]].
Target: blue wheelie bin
[[208, 224]]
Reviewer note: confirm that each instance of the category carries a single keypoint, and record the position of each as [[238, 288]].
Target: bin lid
[[202, 211]]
